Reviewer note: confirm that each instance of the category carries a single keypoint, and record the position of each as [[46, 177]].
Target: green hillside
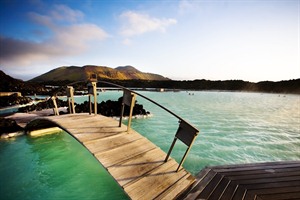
[[74, 73]]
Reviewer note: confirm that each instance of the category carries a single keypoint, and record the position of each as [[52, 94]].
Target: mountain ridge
[[292, 86], [76, 73]]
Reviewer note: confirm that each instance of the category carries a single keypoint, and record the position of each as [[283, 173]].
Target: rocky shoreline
[[10, 125], [13, 100]]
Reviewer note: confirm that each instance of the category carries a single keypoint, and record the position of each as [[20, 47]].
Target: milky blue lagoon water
[[234, 128]]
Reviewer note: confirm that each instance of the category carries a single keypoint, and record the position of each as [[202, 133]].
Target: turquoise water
[[234, 128], [53, 167]]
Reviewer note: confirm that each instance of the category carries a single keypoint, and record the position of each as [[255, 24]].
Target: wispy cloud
[[185, 6], [68, 37], [136, 23], [62, 12]]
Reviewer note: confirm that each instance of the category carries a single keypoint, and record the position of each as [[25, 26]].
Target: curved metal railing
[[186, 132], [152, 101]]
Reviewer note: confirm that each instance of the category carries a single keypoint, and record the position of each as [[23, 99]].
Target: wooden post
[[55, 109], [170, 150], [92, 90], [186, 134], [90, 103], [70, 95], [121, 115], [95, 97], [129, 100], [185, 154], [131, 110]]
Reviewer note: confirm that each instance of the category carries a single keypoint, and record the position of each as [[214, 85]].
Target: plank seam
[[144, 174], [168, 188], [115, 147]]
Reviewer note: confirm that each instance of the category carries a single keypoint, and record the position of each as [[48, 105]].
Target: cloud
[[127, 42], [64, 13], [185, 6], [68, 39], [136, 24]]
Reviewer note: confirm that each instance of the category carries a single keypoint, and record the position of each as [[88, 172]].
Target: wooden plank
[[273, 185], [267, 180], [196, 191], [261, 164], [210, 187], [229, 191], [183, 184], [239, 193], [156, 182], [123, 153], [258, 167], [249, 195], [134, 169], [265, 175], [220, 188], [278, 190], [290, 195], [85, 137], [261, 171], [111, 142]]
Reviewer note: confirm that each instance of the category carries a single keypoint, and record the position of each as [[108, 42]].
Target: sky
[[251, 40]]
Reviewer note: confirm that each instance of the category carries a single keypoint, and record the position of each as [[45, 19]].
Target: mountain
[[9, 84], [75, 73]]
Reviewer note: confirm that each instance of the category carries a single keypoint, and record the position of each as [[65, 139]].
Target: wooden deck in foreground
[[134, 162], [262, 181]]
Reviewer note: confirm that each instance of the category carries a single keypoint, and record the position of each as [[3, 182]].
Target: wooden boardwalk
[[133, 161], [262, 181]]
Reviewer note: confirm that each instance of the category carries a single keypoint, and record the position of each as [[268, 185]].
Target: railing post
[[129, 100], [121, 114], [95, 97], [92, 90], [70, 96], [131, 110], [186, 134], [90, 103], [55, 109]]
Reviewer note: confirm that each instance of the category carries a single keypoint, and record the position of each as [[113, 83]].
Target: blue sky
[[252, 40]]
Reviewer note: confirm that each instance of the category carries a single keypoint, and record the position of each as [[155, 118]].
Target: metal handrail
[[152, 101], [186, 132]]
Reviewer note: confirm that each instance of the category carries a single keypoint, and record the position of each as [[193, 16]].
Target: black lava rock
[[9, 126]]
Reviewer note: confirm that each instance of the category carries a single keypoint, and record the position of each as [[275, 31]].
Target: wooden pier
[[260, 181], [134, 162]]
